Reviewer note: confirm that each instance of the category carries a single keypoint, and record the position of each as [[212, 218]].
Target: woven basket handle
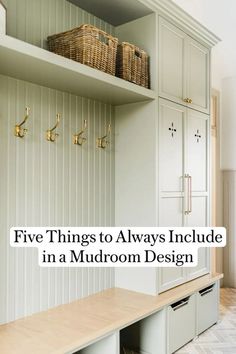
[[135, 50], [101, 35], [137, 53]]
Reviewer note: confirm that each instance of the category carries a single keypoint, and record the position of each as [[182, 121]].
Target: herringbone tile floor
[[221, 338]]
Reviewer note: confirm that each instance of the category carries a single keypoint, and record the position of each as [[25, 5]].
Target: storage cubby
[[41, 67], [44, 68], [115, 12], [142, 33], [133, 21], [107, 345], [146, 336]]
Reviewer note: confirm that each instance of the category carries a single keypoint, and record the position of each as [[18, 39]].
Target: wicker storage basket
[[133, 64], [88, 45]]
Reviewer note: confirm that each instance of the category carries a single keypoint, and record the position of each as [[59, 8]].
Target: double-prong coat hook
[[19, 131], [50, 135], [79, 139], [103, 142]]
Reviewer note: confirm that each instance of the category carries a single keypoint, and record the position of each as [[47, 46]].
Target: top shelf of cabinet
[[30, 63], [114, 12]]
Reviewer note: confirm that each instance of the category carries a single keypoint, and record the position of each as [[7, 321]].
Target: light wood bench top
[[68, 328]]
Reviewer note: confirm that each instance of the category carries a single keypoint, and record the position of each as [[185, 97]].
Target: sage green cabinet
[[184, 195], [184, 68], [168, 184]]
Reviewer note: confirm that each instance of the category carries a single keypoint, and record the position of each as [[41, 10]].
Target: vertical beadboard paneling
[[50, 184], [33, 20]]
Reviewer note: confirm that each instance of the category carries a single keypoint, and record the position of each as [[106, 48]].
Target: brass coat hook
[[103, 142], [19, 131], [50, 135], [79, 139]]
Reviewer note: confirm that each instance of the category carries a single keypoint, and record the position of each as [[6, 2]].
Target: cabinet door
[[172, 118], [197, 149], [199, 217], [171, 214], [172, 53], [198, 75]]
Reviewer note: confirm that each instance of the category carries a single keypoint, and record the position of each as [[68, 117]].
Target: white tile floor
[[221, 338]]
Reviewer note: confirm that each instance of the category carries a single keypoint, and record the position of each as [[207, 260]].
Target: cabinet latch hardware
[[188, 100], [198, 136], [172, 129]]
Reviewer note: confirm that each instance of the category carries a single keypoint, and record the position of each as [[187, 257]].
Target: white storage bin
[[181, 323], [207, 307]]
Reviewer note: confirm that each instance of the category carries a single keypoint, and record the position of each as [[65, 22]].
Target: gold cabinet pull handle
[[190, 195], [186, 211]]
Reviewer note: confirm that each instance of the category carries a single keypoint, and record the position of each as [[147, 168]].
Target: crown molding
[[189, 24]]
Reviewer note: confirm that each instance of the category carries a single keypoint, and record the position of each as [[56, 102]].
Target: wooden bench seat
[[67, 328]]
